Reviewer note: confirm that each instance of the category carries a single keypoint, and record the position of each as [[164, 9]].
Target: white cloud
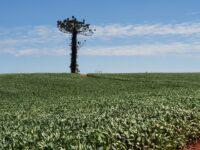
[[37, 52], [193, 13], [36, 41], [47, 40], [118, 30], [127, 50], [144, 50], [155, 49], [31, 35]]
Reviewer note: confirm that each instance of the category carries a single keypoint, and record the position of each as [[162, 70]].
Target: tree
[[74, 27]]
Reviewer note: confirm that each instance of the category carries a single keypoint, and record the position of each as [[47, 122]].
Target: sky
[[130, 36]]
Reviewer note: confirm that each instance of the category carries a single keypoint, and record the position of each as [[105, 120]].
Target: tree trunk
[[73, 65]]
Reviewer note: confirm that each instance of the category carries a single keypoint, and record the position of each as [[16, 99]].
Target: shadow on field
[[164, 82], [108, 78]]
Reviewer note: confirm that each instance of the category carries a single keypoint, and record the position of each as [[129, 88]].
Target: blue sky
[[131, 36]]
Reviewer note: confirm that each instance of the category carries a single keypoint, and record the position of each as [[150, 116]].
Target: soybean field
[[99, 111]]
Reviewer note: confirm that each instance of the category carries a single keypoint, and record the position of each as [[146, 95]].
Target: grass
[[107, 111]]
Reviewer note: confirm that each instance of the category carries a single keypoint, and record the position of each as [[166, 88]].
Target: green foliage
[[106, 111]]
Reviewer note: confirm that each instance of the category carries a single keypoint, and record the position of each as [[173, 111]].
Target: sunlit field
[[99, 111]]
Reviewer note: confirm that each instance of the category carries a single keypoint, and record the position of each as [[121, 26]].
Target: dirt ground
[[194, 146], [83, 75]]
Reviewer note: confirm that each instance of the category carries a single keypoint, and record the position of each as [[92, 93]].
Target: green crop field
[[101, 111]]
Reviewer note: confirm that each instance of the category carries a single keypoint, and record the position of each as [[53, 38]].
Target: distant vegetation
[[113, 111]]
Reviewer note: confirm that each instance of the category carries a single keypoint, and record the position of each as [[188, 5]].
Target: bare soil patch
[[83, 75], [194, 146]]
